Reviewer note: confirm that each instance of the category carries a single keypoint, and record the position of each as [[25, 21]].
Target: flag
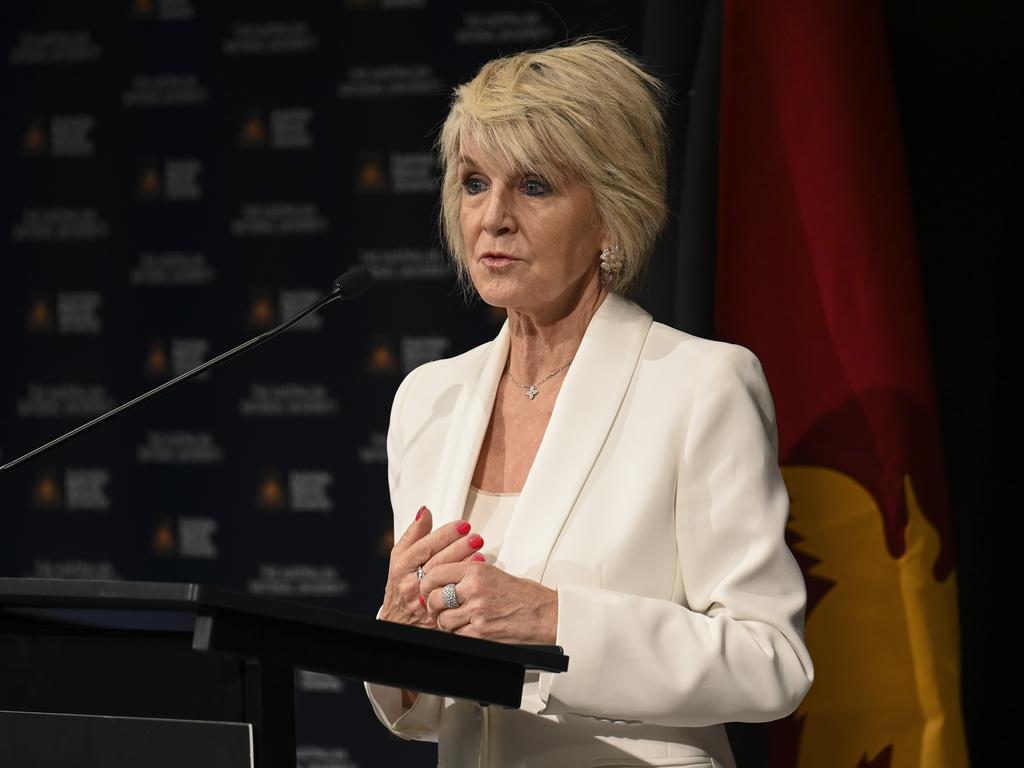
[[817, 274]]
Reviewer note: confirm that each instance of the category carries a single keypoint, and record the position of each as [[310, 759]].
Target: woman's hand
[[493, 604], [419, 546]]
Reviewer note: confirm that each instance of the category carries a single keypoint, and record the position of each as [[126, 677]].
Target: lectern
[[173, 661]]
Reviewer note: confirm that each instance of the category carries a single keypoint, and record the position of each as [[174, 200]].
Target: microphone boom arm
[[359, 281]]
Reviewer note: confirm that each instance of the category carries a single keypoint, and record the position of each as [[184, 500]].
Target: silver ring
[[419, 573], [451, 600]]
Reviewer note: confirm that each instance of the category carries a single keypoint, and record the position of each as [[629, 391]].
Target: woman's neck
[[543, 339]]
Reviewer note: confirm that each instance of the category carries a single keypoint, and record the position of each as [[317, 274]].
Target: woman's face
[[530, 246]]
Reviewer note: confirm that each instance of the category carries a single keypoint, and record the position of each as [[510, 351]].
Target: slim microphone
[[353, 283], [346, 286]]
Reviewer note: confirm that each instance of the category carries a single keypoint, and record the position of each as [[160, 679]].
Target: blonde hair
[[586, 109]]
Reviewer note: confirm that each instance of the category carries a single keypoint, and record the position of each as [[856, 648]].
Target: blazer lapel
[[585, 410], [470, 418]]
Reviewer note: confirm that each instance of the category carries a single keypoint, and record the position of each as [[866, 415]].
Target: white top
[[656, 508], [489, 514]]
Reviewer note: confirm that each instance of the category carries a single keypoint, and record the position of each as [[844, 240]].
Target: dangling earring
[[611, 265]]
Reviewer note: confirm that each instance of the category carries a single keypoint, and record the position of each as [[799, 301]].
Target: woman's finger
[[434, 604], [453, 619], [420, 551], [419, 528], [470, 630], [445, 573], [460, 549]]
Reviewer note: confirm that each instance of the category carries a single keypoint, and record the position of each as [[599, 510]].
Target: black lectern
[[186, 652]]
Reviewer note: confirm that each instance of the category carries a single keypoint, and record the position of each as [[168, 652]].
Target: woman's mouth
[[497, 260]]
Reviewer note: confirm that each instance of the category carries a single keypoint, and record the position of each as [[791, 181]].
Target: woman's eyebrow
[[513, 176]]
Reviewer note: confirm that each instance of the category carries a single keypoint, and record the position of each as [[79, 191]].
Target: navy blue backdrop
[[180, 176]]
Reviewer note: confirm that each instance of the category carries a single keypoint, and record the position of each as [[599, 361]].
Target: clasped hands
[[493, 604]]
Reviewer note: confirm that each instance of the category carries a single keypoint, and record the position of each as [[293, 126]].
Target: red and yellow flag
[[817, 274]]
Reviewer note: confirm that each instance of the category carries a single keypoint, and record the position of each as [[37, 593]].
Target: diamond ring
[[451, 600]]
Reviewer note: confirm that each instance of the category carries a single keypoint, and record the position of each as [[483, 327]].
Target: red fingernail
[[420, 513], [478, 557], [423, 602], [462, 528], [476, 541]]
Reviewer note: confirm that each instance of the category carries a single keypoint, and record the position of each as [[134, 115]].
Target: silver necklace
[[531, 391]]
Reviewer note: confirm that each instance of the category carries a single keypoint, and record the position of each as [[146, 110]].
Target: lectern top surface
[[168, 596]]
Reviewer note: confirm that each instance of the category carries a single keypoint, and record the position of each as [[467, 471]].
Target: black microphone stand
[[348, 286]]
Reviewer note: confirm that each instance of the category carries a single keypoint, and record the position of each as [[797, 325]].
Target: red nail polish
[[420, 513], [478, 557], [423, 602], [476, 541], [462, 528]]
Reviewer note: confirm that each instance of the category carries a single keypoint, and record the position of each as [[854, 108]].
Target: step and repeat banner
[[182, 175]]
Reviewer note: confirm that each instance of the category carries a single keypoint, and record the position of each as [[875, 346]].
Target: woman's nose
[[498, 218]]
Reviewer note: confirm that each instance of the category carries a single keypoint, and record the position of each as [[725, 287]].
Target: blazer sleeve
[[421, 720], [732, 648]]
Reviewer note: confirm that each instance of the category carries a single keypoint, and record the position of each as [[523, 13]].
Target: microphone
[[346, 286], [353, 283]]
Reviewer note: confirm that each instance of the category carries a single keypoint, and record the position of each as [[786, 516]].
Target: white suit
[[656, 508]]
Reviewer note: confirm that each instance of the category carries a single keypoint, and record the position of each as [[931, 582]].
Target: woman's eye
[[535, 187], [473, 186]]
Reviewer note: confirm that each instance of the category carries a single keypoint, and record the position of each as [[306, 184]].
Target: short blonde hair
[[586, 109]]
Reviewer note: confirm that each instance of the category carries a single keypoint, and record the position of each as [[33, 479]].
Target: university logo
[[35, 141], [270, 493], [40, 315], [143, 10], [254, 133], [156, 363], [46, 494], [164, 542], [371, 178], [150, 186], [382, 360], [262, 313]]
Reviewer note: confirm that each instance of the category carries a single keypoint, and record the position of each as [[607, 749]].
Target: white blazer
[[656, 508]]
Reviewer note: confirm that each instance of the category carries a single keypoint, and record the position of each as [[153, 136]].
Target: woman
[[588, 478]]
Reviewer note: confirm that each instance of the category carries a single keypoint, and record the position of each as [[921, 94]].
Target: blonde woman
[[588, 478]]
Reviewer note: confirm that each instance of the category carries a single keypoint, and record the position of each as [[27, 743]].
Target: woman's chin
[[504, 292]]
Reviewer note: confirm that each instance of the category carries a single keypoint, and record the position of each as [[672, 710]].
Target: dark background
[[957, 71], [296, 505]]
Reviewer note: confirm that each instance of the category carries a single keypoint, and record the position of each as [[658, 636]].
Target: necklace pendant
[[531, 392]]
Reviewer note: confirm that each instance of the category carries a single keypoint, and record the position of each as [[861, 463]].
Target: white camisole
[[489, 514]]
